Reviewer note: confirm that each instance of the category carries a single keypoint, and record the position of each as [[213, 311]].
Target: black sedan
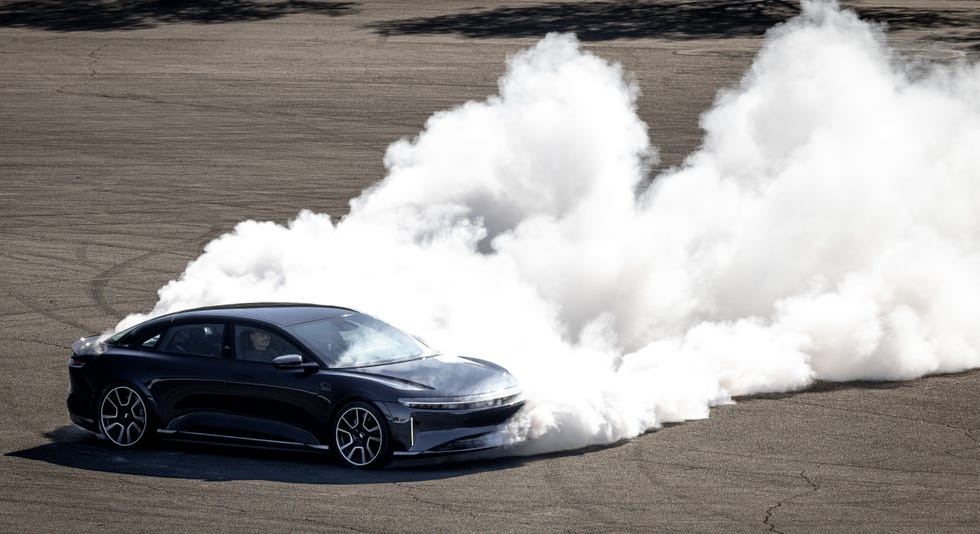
[[287, 375]]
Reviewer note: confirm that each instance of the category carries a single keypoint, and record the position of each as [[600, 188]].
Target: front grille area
[[469, 443], [440, 419]]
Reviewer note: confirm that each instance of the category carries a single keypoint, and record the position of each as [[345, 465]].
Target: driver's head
[[260, 340]]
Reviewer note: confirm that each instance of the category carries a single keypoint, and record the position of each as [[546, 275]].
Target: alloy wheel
[[122, 416], [360, 437]]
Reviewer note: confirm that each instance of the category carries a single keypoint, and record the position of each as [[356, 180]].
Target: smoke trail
[[828, 228]]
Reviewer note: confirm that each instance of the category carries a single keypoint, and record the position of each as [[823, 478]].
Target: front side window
[[260, 345], [193, 339]]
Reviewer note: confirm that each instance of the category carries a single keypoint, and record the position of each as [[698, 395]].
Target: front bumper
[[417, 431]]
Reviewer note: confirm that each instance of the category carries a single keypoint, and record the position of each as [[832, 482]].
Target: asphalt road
[[131, 133]]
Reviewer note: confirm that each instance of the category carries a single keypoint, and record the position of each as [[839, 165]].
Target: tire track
[[99, 283], [34, 304]]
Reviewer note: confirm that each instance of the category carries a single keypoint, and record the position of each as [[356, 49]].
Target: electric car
[[287, 376]]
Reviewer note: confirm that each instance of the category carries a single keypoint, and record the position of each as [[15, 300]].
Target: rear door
[[189, 361]]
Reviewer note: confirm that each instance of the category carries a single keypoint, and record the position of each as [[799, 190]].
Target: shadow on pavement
[[672, 19], [73, 447], [602, 21], [82, 15], [823, 386]]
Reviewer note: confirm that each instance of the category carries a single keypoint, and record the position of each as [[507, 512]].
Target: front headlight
[[496, 399]]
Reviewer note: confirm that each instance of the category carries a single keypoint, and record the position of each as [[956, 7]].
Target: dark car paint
[[452, 375], [220, 396]]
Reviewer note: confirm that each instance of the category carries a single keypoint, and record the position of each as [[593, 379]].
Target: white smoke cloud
[[828, 228]]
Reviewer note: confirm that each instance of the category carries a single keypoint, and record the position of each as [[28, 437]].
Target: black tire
[[124, 417], [360, 436]]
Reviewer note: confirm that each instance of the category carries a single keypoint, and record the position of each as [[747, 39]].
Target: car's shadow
[[73, 447]]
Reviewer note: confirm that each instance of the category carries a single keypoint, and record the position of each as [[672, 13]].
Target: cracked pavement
[[130, 139], [770, 520]]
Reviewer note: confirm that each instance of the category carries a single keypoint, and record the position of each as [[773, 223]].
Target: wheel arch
[[140, 387]]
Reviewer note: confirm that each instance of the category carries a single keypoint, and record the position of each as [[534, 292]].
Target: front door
[[273, 404]]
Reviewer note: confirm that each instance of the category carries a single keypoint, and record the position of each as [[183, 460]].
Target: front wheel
[[123, 417], [360, 436]]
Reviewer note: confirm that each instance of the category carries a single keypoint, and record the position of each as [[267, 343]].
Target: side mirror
[[288, 361]]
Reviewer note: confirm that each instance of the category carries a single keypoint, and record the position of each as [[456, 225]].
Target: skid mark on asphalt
[[412, 492], [98, 284], [295, 120], [962, 452], [865, 412], [39, 342], [42, 261], [35, 305]]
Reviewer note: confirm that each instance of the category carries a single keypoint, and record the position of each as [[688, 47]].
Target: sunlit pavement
[[130, 135]]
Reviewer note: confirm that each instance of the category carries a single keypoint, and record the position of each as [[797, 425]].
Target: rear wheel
[[360, 436], [123, 417]]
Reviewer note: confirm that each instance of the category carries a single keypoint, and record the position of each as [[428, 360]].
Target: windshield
[[358, 340]]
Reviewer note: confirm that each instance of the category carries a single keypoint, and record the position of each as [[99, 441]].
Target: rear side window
[[147, 339], [194, 339]]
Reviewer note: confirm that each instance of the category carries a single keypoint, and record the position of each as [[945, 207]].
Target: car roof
[[279, 313]]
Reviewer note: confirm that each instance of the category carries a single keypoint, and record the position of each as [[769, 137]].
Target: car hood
[[444, 375]]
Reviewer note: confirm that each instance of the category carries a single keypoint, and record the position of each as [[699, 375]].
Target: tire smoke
[[827, 228]]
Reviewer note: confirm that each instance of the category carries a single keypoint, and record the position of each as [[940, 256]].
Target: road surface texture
[[133, 132]]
